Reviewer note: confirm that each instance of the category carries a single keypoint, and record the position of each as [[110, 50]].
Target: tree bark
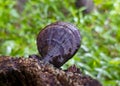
[[31, 72]]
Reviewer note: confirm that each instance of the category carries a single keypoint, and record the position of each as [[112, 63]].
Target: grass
[[99, 55]]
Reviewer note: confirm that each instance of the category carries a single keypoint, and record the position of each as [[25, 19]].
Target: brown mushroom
[[58, 42]]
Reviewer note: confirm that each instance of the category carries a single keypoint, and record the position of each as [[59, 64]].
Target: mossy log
[[31, 72]]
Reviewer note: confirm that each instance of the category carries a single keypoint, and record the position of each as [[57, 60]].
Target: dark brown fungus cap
[[58, 42], [88, 4]]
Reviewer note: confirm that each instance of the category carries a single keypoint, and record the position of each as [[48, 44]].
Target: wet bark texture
[[31, 72]]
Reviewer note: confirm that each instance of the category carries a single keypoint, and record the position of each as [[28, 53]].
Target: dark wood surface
[[31, 72]]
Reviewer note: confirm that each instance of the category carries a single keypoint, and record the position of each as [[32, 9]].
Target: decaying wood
[[31, 72]]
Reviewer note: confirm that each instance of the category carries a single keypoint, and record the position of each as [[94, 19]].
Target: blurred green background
[[99, 55]]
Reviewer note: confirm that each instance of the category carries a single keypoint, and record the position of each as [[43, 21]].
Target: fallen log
[[32, 72]]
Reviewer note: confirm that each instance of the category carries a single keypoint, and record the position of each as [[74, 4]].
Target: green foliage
[[99, 55]]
